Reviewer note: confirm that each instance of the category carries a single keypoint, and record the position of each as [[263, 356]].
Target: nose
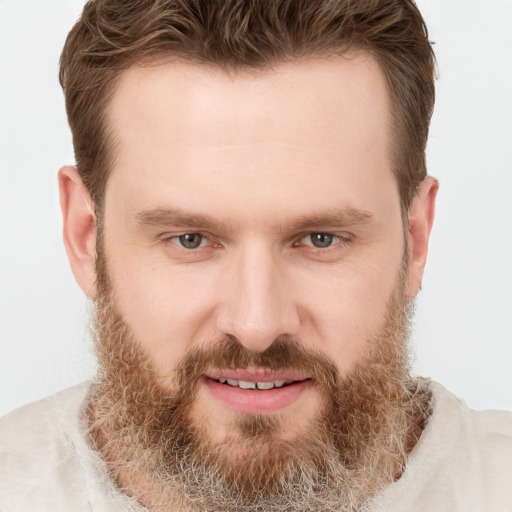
[[257, 304]]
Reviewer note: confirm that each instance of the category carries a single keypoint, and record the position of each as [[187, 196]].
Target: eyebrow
[[167, 217], [332, 218], [171, 217]]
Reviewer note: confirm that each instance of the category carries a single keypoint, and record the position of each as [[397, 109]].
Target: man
[[250, 213]]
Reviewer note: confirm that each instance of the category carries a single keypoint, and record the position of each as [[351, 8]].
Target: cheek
[[343, 316], [167, 308]]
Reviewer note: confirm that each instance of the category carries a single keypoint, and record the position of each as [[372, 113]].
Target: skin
[[256, 163]]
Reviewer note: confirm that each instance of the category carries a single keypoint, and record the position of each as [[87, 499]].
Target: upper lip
[[257, 375]]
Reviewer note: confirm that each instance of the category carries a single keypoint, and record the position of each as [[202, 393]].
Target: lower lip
[[254, 401]]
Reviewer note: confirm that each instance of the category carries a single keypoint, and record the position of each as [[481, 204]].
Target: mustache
[[113, 336], [285, 353]]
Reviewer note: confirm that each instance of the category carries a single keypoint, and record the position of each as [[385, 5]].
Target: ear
[[421, 219], [79, 228]]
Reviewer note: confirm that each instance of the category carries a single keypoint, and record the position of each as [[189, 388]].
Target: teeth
[[242, 384], [247, 385], [265, 385]]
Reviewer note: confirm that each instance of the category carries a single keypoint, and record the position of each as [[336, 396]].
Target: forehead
[[203, 99], [311, 124]]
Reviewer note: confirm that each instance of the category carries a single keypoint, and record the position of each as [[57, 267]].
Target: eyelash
[[172, 238], [342, 239]]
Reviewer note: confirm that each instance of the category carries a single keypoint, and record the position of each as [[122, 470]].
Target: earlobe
[[421, 219], [79, 228]]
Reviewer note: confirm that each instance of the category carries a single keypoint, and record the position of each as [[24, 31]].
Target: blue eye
[[191, 240], [322, 240]]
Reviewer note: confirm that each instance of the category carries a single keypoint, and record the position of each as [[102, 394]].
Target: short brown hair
[[112, 35]]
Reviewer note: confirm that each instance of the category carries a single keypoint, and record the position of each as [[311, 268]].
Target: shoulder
[[33, 426], [493, 425], [463, 461], [487, 436], [470, 453], [45, 420], [488, 432], [40, 446]]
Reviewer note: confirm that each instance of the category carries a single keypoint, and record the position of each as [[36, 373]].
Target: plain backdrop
[[463, 326]]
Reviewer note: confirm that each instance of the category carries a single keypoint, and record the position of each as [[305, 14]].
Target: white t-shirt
[[463, 462]]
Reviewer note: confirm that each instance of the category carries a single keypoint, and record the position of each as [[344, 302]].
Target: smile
[[242, 384], [256, 392]]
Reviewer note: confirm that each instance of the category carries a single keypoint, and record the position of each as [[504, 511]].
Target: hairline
[[347, 51]]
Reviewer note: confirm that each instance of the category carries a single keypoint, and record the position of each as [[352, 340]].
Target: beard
[[156, 452]]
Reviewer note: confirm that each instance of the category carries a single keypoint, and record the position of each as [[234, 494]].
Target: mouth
[[256, 392], [260, 385]]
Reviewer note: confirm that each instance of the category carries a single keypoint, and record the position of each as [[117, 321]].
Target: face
[[254, 207], [258, 211]]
